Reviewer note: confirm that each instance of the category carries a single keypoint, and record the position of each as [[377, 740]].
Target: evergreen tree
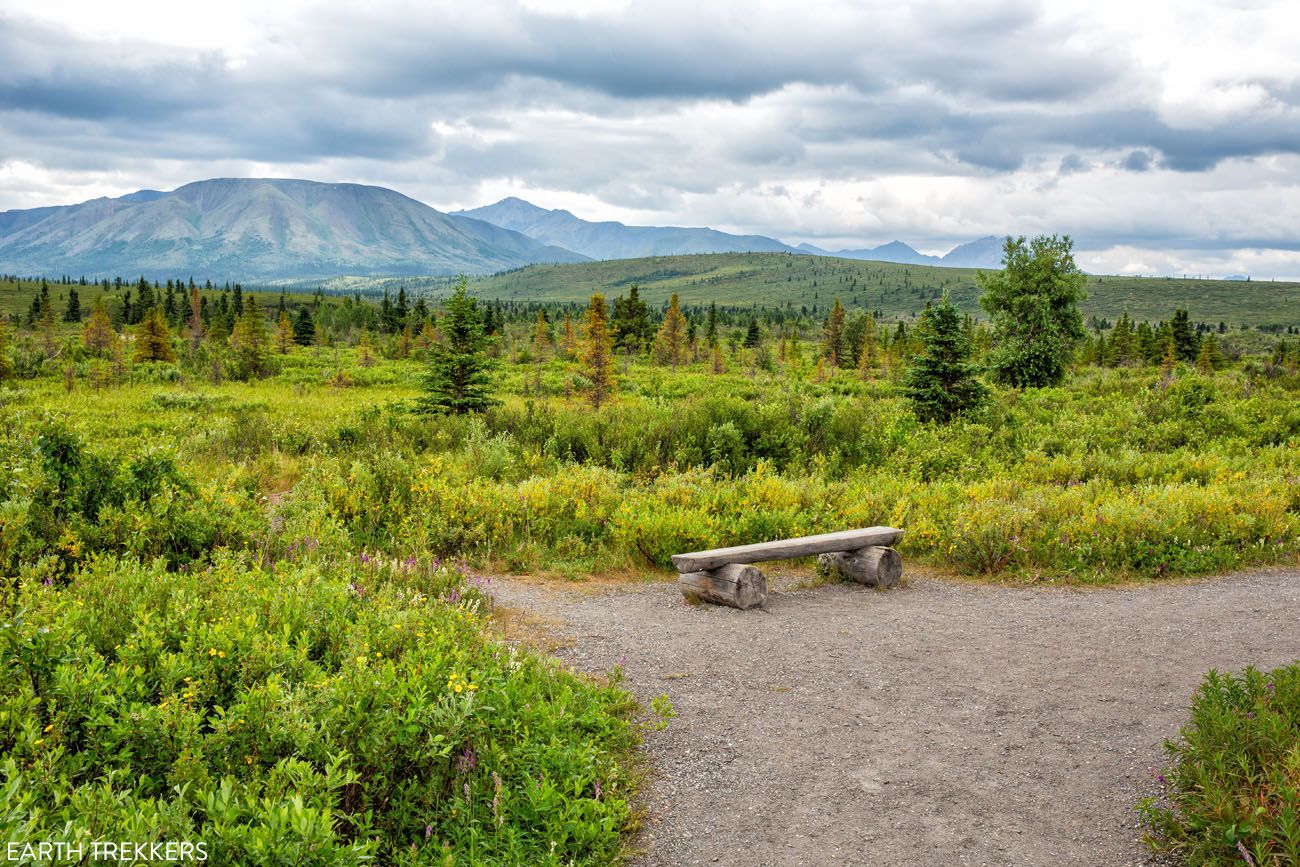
[[1186, 344], [942, 382], [387, 316], [671, 339], [459, 378], [568, 340], [284, 332], [753, 336], [631, 321], [541, 348], [304, 328], [46, 325], [194, 324], [144, 300], [1123, 341], [98, 335], [1209, 357], [153, 339], [401, 310], [73, 313], [238, 299], [833, 335], [598, 352], [6, 354], [711, 325], [1034, 302], [249, 341]]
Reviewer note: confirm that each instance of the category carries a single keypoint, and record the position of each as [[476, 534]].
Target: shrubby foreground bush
[[304, 711], [1232, 795]]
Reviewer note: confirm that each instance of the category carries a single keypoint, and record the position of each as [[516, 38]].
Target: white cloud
[[1164, 135]]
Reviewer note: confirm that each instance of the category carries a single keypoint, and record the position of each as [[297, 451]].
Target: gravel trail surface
[[940, 723]]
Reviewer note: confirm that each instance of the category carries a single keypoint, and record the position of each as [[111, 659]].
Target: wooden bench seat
[[725, 576]]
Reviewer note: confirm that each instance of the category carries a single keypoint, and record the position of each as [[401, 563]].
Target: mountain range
[[613, 240], [258, 228], [269, 229]]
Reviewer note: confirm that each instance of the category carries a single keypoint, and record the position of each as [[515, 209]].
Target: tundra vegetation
[[241, 532]]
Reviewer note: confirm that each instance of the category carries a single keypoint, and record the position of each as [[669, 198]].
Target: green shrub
[[1232, 793], [310, 711]]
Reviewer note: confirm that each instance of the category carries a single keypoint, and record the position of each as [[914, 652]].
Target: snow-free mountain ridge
[[260, 228]]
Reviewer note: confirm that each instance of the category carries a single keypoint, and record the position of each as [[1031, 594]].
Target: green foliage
[[153, 339], [249, 343], [1232, 794], [64, 504], [1034, 305], [459, 377], [942, 382], [305, 710]]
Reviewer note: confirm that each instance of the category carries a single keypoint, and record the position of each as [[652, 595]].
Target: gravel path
[[940, 723]]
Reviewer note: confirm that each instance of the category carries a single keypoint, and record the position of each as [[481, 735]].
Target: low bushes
[[1232, 793], [306, 711]]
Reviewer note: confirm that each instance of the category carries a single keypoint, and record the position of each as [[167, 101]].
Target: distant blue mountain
[[613, 240], [983, 253], [260, 228]]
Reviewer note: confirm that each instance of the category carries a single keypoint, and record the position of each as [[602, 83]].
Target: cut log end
[[736, 584], [876, 566]]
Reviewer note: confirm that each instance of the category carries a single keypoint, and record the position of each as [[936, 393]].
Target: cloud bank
[[1165, 138]]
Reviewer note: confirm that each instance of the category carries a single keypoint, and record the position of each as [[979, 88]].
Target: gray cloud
[[656, 109]]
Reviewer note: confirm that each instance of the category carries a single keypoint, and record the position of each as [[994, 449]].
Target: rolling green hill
[[779, 279], [739, 280]]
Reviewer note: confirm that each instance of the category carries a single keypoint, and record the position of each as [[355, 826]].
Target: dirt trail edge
[[936, 724]]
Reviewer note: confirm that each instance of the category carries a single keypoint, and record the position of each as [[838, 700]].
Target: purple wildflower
[[1244, 854], [467, 760], [598, 790], [428, 831]]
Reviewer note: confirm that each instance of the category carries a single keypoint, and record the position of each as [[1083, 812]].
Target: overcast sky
[[1164, 136]]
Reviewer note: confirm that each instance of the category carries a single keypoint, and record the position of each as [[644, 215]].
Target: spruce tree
[[98, 335], [249, 341], [754, 335], [671, 339], [941, 382], [598, 360], [631, 321], [459, 375], [304, 328], [1186, 344], [6, 355], [73, 313], [833, 335], [284, 333], [153, 339]]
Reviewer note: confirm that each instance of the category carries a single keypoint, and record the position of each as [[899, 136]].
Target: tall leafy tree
[[459, 375], [597, 354], [1034, 304], [942, 382]]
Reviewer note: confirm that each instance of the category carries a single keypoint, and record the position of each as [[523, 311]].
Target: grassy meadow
[[245, 601]]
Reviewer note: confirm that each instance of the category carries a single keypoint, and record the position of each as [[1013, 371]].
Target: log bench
[[726, 576]]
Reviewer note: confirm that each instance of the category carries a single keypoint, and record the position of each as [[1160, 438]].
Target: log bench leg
[[736, 584], [875, 566]]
